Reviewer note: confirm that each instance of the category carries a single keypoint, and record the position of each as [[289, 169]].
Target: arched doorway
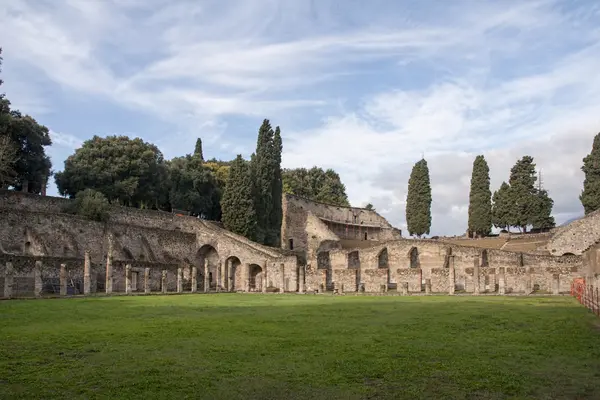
[[233, 274], [210, 254], [413, 255], [382, 259], [256, 278]]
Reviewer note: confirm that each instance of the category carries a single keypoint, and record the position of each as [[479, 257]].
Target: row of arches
[[413, 258]]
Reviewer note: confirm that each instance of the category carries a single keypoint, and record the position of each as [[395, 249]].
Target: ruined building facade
[[44, 251]]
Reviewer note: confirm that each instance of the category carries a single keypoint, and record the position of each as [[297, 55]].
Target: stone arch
[[447, 257], [233, 274], [354, 260], [207, 253], [323, 260], [256, 278], [383, 259], [146, 252], [413, 257], [485, 262]]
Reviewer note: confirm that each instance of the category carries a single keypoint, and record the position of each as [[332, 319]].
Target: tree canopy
[[239, 213], [418, 200], [324, 186], [590, 196], [127, 171], [480, 199]]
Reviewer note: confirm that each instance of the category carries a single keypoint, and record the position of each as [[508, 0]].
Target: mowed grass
[[236, 346]]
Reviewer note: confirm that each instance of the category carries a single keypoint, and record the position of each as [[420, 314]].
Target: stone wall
[[576, 237]]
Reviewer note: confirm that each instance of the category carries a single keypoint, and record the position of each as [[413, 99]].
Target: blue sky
[[361, 87]]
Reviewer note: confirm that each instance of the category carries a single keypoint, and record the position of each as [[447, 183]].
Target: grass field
[[235, 346]]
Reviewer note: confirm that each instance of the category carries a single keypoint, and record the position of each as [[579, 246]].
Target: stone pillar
[[247, 277], [206, 280], [179, 280], [63, 279], [128, 279], [147, 280], [37, 279], [219, 276], [405, 288], [282, 272], [476, 278], [109, 266], [451, 276], [264, 278], [9, 279], [229, 277], [528, 282], [501, 281], [194, 279], [427, 286], [301, 273], [86, 273], [555, 284], [163, 282]]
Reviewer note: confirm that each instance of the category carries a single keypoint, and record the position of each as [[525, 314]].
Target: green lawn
[[236, 346]]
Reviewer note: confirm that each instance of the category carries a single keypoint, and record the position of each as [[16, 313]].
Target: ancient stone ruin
[[47, 252]]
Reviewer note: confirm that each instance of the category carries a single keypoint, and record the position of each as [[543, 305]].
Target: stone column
[[206, 280], [528, 282], [128, 279], [301, 274], [37, 279], [427, 286], [147, 280], [282, 267], [219, 276], [264, 279], [501, 281], [247, 277], [555, 284], [194, 279], [9, 279], [476, 278], [109, 266], [405, 288], [63, 280], [451, 276], [179, 280], [228, 280], [86, 273], [163, 282]]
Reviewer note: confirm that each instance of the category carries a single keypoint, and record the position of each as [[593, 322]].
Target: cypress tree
[[590, 196], [523, 193], [480, 198], [276, 214], [418, 200], [501, 207], [198, 149], [237, 203], [262, 173], [543, 219]]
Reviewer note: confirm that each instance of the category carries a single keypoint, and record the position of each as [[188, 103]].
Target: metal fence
[[586, 294]]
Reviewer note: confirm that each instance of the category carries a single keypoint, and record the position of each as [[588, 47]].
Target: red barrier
[[588, 295]]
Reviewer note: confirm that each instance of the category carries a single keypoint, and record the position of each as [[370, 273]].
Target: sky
[[365, 88]]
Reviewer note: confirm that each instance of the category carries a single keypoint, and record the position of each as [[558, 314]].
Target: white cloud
[[500, 78]]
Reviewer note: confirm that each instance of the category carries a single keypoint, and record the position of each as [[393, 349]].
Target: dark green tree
[[239, 214], [480, 199], [590, 196], [127, 171], [501, 208], [198, 150], [193, 187], [370, 207], [316, 184], [418, 200], [274, 232], [523, 193], [266, 167], [542, 218]]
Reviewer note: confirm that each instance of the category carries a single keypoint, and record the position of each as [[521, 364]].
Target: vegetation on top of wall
[[90, 204], [316, 184]]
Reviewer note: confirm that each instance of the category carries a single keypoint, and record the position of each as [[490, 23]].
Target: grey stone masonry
[[194, 279], [87, 281], [9, 278], [37, 279], [147, 280], [63, 279], [179, 280], [163, 281], [128, 279]]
